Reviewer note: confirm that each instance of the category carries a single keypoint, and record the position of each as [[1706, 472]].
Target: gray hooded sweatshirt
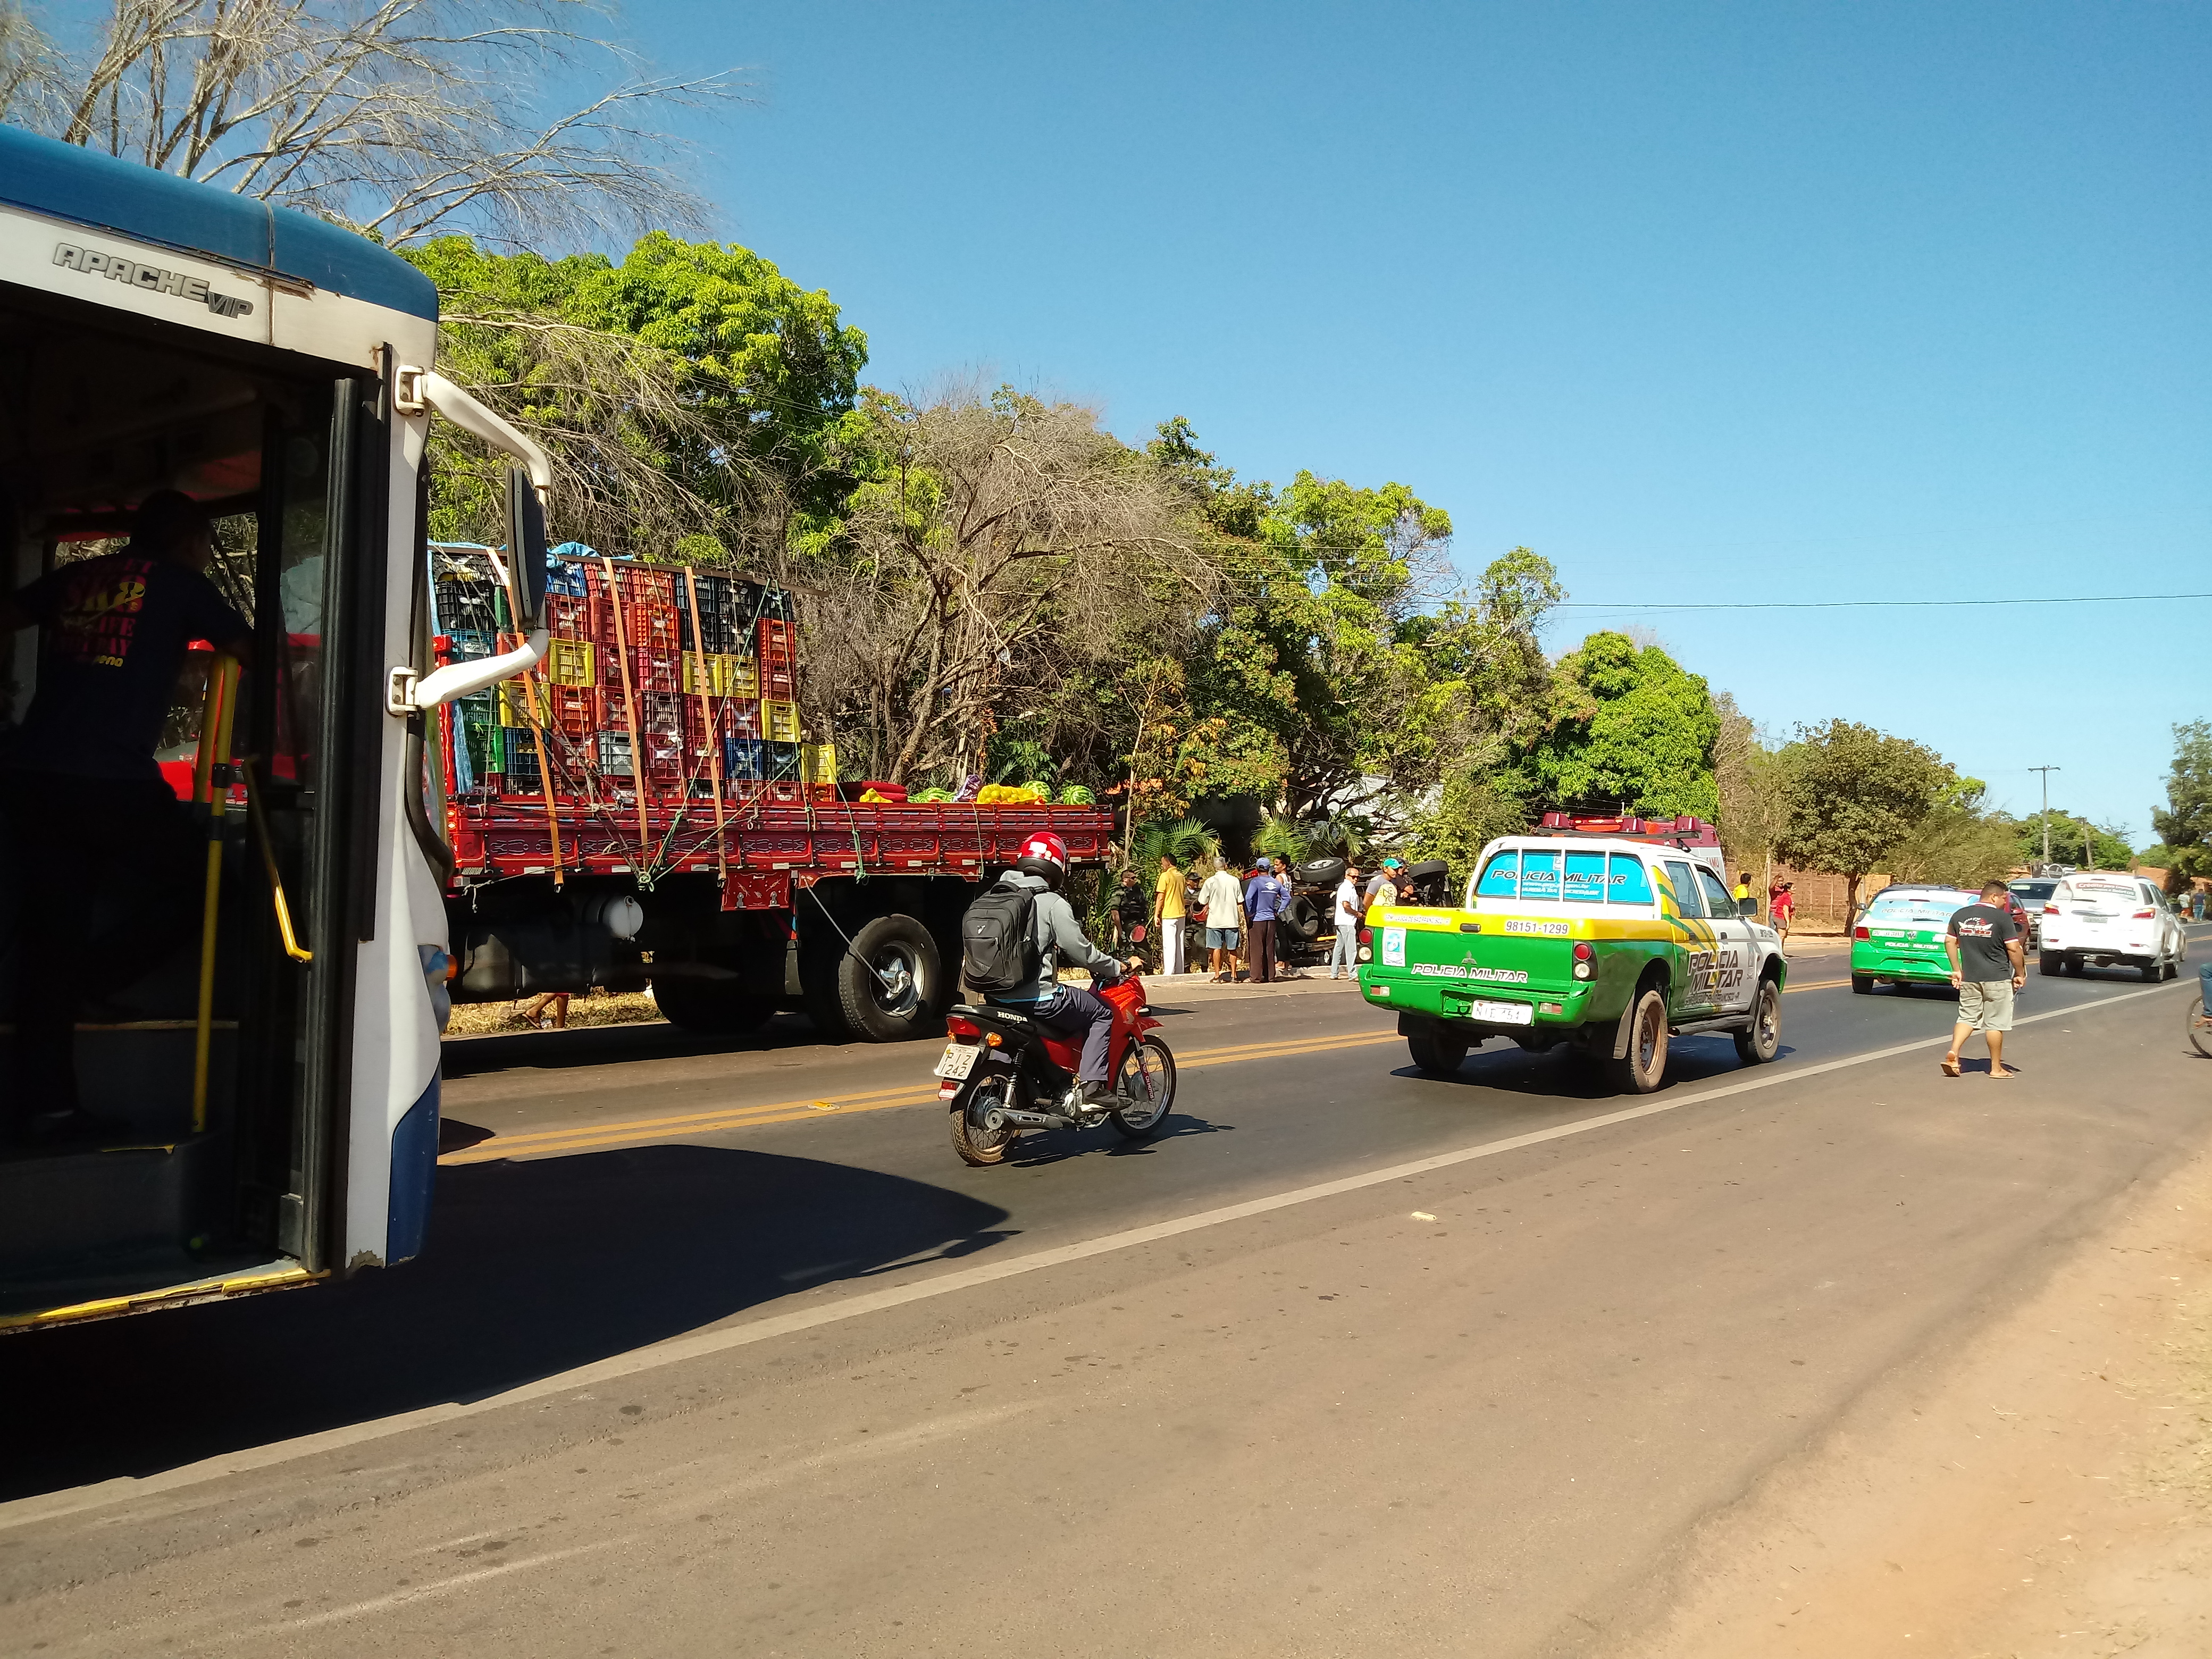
[[1058, 937]]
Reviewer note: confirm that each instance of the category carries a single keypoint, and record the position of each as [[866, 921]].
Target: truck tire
[[2049, 965], [1861, 984], [1762, 1039], [892, 983], [1643, 1068], [711, 1007], [1301, 922], [1438, 1056]]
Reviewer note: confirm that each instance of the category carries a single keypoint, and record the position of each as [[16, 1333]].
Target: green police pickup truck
[[1610, 944]]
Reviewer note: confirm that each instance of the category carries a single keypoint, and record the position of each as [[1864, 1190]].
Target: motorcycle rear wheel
[[977, 1145], [1148, 1083]]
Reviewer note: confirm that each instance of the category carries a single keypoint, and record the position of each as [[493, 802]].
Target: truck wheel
[[890, 983], [2049, 965], [1762, 1039], [711, 1007], [1643, 1068], [1438, 1056], [1861, 984], [2149, 968]]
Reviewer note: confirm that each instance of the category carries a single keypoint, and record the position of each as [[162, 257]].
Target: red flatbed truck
[[732, 895]]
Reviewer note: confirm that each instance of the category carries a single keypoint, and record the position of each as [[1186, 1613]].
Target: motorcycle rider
[[1067, 1009]]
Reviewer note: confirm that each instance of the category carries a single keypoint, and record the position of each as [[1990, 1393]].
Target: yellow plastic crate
[[780, 721], [727, 676], [514, 701], [571, 662]]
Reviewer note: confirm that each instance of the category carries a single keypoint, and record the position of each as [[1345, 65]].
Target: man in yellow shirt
[[1168, 912]]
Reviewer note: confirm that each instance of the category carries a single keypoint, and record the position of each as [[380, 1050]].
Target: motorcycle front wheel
[[1146, 1085], [976, 1145]]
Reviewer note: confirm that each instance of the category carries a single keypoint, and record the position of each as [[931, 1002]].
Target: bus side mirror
[[525, 544]]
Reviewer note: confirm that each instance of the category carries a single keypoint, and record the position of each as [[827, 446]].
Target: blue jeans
[[1072, 1010], [1347, 947]]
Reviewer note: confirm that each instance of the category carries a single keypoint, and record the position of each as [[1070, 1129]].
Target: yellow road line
[[582, 1137], [1817, 985]]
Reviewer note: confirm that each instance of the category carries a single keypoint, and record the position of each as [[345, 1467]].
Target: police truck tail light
[[1583, 952], [1861, 933]]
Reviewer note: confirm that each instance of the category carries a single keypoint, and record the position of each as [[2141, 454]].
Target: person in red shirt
[[1781, 905], [85, 804]]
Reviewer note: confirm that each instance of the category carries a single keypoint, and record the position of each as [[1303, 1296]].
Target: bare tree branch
[[407, 119]]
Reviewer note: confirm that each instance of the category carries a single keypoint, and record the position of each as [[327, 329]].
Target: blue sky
[[1702, 302]]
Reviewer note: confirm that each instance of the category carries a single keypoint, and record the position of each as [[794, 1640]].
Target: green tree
[[1332, 672], [1752, 779], [1471, 811], [1960, 842], [2073, 840], [1627, 724], [1854, 794], [2185, 825], [691, 390]]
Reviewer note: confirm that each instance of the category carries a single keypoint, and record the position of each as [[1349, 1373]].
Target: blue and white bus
[[267, 1092]]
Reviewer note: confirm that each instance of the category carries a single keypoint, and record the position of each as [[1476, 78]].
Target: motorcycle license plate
[[959, 1060]]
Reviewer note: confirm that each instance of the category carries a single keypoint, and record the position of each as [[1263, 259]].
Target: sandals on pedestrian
[[1950, 1065]]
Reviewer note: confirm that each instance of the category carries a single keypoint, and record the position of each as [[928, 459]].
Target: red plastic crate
[[655, 668]]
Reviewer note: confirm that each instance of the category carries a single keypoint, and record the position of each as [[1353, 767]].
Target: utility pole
[[2046, 771]]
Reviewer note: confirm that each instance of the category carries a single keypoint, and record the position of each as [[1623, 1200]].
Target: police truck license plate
[[959, 1060], [1501, 1013]]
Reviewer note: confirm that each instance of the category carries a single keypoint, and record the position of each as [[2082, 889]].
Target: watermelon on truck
[[1607, 937], [688, 838]]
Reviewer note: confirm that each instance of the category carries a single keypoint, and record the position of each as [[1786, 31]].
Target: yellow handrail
[[210, 786], [292, 948]]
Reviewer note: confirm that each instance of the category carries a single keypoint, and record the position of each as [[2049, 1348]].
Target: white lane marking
[[418, 1592], [23, 1510]]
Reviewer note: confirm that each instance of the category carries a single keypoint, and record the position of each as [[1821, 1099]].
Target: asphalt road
[[718, 1349]]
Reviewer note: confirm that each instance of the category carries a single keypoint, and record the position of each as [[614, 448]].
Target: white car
[[2112, 919]]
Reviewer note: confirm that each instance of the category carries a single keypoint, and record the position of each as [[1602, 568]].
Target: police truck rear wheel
[[1762, 1040], [1438, 1056], [2048, 964], [1641, 1069], [1861, 984]]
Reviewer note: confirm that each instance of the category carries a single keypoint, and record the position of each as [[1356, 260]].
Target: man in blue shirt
[[1265, 897]]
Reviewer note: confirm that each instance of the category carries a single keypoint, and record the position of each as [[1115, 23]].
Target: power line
[[1859, 604]]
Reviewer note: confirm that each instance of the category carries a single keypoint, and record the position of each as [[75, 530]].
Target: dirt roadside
[[2049, 1494]]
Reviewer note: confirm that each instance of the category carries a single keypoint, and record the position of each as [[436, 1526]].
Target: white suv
[[2110, 919]]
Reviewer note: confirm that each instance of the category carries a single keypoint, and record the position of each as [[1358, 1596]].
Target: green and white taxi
[[1900, 936], [1609, 943]]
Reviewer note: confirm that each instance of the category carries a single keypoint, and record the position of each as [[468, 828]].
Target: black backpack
[[999, 951]]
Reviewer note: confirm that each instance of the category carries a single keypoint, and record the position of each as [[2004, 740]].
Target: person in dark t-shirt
[[1988, 964], [87, 811]]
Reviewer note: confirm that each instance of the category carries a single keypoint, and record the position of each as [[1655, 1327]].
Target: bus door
[[209, 1053]]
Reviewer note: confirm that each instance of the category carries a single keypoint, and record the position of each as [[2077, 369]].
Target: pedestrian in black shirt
[[1988, 964], [86, 806]]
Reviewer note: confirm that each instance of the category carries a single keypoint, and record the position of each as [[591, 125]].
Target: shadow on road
[[531, 1268], [610, 1045], [1559, 1075]]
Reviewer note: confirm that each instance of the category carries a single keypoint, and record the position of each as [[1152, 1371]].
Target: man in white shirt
[[1347, 927], [1222, 900]]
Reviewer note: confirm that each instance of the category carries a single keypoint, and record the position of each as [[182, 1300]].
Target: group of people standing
[[1237, 916]]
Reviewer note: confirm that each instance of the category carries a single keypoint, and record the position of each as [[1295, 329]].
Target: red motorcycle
[[1003, 1073]]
